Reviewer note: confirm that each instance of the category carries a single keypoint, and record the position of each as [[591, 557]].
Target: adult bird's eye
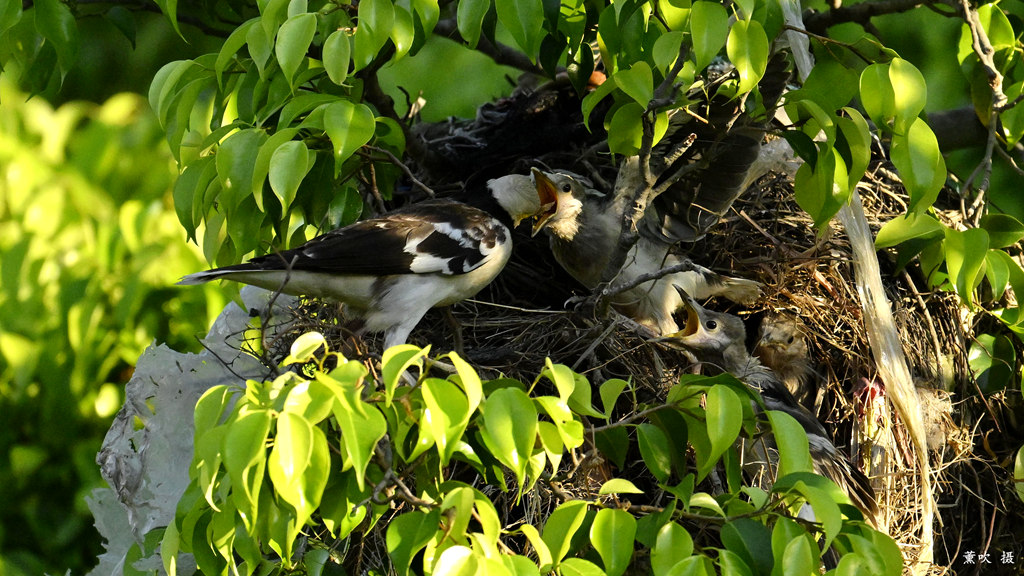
[[711, 324]]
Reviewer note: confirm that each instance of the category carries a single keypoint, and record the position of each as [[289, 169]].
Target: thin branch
[[405, 169]]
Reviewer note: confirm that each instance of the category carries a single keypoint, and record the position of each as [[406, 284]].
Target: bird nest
[[534, 311]]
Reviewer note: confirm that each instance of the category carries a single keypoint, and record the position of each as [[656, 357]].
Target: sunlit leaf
[[751, 541], [907, 227], [655, 450], [910, 93], [625, 131], [293, 40], [791, 440], [919, 161], [407, 534], [637, 83], [674, 544], [709, 27], [992, 359], [510, 428], [876, 93], [748, 48], [965, 259], [470, 17], [288, 166], [337, 54], [524, 19], [1003, 230], [349, 125], [562, 525], [612, 536]]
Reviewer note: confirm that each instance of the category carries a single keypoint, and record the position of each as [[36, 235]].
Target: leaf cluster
[[300, 471]]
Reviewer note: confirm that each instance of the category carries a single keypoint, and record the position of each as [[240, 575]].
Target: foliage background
[[90, 246]]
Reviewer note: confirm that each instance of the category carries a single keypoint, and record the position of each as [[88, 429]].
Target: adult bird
[[390, 270], [583, 227], [718, 339], [782, 347]]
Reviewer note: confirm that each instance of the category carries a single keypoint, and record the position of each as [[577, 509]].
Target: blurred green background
[[90, 248]]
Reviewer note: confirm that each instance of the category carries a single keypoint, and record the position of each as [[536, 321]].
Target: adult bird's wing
[[437, 236]]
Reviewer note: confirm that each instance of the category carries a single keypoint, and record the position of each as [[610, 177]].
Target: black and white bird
[[717, 339], [584, 226], [390, 270]]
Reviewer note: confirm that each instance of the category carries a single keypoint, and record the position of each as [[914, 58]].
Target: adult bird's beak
[[547, 192]]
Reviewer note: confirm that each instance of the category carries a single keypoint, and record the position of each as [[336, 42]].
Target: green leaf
[[337, 56], [826, 511], [674, 545], [236, 160], [349, 126], [724, 418], [876, 93], [992, 359], [666, 49], [619, 486], [1012, 119], [230, 48], [965, 257], [445, 418], [907, 227], [510, 429], [791, 440], [470, 18], [1003, 230], [709, 27], [540, 548], [612, 535], [748, 48], [402, 33], [1018, 474], [10, 14], [799, 558], [561, 526], [919, 161], [293, 447], [655, 450], [407, 534], [562, 377], [244, 448], [288, 166], [610, 392], [293, 40], [260, 48], [910, 93], [613, 443], [362, 425], [751, 541], [625, 131], [458, 561], [524, 19], [580, 567], [854, 144], [55, 22], [997, 271], [637, 83], [377, 17], [304, 348], [395, 361]]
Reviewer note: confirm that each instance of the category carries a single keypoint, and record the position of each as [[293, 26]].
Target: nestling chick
[[782, 348]]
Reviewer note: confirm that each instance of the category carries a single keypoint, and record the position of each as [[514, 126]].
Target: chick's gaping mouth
[[547, 194]]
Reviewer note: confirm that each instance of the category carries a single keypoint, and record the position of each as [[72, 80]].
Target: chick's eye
[[566, 187], [789, 340], [711, 324]]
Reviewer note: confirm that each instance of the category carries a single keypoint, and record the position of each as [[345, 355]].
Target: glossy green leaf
[[908, 227], [580, 567], [561, 526], [591, 100], [236, 159], [55, 22], [349, 126], [562, 377], [965, 258], [613, 443], [919, 161], [230, 49], [458, 561], [304, 348], [610, 391], [293, 40], [709, 28], [1018, 474], [260, 48], [910, 93], [244, 448], [1012, 119], [799, 558], [751, 541], [10, 14], [407, 534], [1003, 230], [619, 486], [826, 511], [344, 506], [540, 547], [748, 48], [446, 415], [293, 447], [625, 131], [853, 143], [876, 94], [403, 32], [377, 17], [655, 450], [337, 54], [612, 536], [992, 359], [261, 168], [524, 19], [470, 18], [673, 545], [362, 425], [288, 166], [997, 272], [510, 428], [666, 49], [791, 440], [724, 418], [732, 565], [637, 83]]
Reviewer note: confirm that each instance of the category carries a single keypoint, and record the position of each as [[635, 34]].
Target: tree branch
[[819, 22], [500, 53]]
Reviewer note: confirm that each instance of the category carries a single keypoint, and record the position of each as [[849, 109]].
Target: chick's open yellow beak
[[547, 193]]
